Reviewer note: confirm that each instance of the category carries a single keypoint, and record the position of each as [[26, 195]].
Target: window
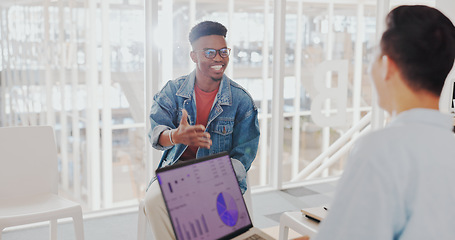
[[81, 70]]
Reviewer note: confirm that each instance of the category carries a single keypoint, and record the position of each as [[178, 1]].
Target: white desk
[[297, 222]]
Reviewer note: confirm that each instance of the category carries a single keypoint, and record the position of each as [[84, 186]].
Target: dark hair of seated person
[[421, 41]]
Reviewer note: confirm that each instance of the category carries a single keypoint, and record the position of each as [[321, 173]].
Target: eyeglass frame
[[216, 52]]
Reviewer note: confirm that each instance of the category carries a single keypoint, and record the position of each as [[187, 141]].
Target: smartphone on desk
[[316, 213]]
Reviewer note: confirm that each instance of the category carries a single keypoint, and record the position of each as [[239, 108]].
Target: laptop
[[204, 200]]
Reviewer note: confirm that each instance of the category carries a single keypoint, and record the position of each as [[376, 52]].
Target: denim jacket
[[232, 123]]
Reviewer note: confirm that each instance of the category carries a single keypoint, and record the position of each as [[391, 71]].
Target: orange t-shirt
[[204, 102]]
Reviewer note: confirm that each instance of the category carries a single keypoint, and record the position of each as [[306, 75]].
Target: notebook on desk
[[316, 213], [204, 200]]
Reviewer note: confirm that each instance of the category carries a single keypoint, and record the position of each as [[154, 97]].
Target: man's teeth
[[217, 67]]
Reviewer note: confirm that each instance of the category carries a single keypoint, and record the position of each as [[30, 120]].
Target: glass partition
[[79, 67]]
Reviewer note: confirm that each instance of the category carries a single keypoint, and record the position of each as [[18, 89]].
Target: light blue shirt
[[232, 123], [398, 183]]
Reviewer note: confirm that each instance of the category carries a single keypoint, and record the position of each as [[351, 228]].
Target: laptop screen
[[203, 198]]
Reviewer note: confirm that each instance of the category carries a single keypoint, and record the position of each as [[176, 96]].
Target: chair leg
[[53, 229], [141, 221], [79, 225]]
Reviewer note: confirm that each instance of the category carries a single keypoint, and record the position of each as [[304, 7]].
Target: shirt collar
[[224, 94], [424, 116]]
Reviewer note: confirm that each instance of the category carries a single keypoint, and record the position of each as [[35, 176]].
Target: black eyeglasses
[[211, 53]]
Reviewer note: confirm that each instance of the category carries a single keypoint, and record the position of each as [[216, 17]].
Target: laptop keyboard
[[255, 237]]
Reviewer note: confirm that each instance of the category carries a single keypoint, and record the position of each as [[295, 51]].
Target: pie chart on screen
[[227, 209]]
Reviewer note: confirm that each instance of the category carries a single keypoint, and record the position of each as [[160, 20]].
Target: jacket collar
[[224, 95]]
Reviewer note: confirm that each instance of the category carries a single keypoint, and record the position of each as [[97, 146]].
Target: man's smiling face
[[205, 67]]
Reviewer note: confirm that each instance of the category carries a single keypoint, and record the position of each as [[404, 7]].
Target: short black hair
[[206, 28], [421, 41]]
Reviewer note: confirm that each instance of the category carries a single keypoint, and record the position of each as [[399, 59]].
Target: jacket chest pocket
[[222, 135]]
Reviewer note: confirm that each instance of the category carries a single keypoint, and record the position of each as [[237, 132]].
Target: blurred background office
[[90, 68]]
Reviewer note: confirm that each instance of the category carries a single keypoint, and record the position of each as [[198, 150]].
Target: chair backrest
[[28, 161]]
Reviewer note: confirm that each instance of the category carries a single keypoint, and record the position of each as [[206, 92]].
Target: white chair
[[142, 222], [248, 200], [29, 181]]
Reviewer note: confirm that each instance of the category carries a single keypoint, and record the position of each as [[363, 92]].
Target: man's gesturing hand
[[191, 135]]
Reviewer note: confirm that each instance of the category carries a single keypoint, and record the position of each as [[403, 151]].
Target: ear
[[193, 56], [390, 68]]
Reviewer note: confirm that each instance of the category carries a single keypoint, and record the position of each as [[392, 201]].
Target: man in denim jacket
[[201, 114]]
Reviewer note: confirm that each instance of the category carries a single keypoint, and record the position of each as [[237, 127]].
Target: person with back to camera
[[201, 114], [398, 182]]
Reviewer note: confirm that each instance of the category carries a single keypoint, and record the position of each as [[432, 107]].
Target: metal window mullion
[[107, 108], [92, 125], [358, 67], [3, 85], [49, 81], [32, 117], [264, 102], [192, 22], [26, 71], [298, 70], [231, 10], [168, 49], [278, 85], [74, 103], [382, 9], [14, 80], [20, 79], [9, 75], [42, 73], [151, 81], [329, 56], [74, 76], [63, 115], [17, 78], [75, 129]]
